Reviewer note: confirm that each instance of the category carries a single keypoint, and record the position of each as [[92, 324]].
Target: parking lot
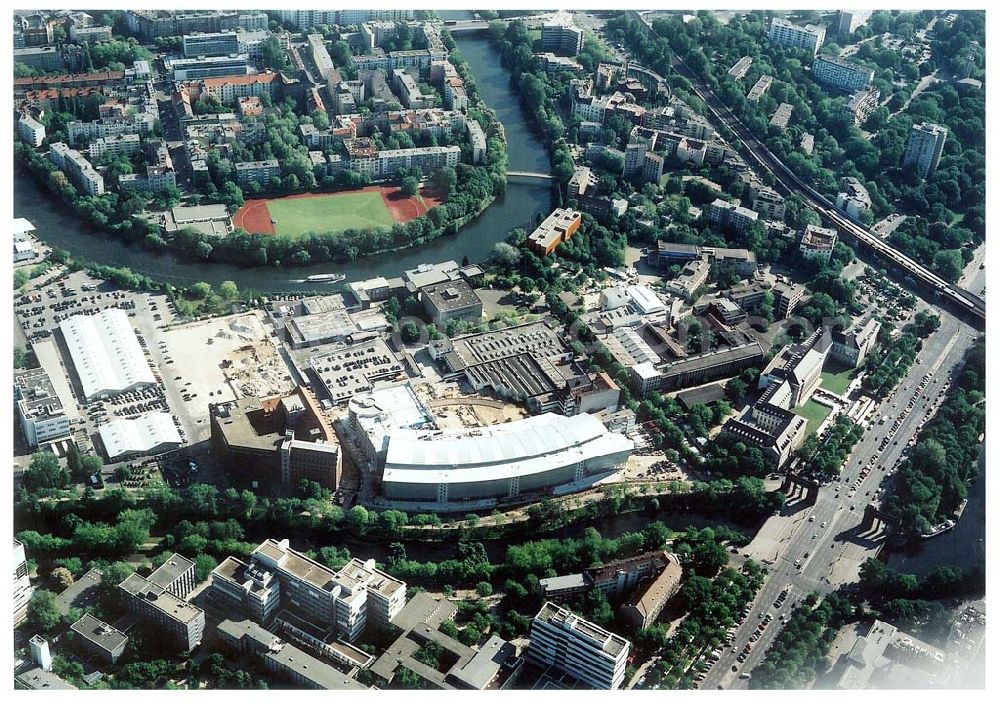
[[39, 313]]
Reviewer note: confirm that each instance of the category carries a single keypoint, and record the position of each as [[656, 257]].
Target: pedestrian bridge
[[532, 175]]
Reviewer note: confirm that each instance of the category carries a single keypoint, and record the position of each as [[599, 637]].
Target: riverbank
[[523, 202]]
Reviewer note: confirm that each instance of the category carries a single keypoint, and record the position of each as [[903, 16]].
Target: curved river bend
[[524, 200]]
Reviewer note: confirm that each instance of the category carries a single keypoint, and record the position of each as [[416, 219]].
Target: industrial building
[[355, 368], [578, 647], [43, 418], [149, 434], [277, 440], [344, 600], [451, 300], [502, 461], [526, 362], [106, 355], [325, 320]]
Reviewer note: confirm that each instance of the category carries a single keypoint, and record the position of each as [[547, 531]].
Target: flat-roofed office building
[[578, 647], [343, 599]]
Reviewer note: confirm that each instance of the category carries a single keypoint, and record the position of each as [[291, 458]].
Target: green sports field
[[815, 413], [336, 212]]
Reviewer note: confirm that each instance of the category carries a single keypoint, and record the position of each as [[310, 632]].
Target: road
[[761, 157], [838, 549]]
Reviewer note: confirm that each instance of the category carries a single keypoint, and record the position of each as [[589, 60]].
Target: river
[[524, 200], [963, 546]]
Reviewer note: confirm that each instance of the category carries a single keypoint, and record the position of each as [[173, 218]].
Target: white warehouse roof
[[128, 436], [515, 449], [106, 353], [22, 226], [646, 299]]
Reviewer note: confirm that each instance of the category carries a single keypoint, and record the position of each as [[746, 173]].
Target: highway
[[838, 549], [759, 155]]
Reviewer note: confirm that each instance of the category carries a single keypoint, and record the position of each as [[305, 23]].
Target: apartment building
[[426, 159], [558, 227], [209, 66], [850, 20], [841, 74], [116, 145], [147, 25], [853, 198], [740, 68], [44, 58], [344, 600], [261, 172], [782, 115], [561, 38], [90, 35], [304, 19], [769, 204], [477, 139], [30, 130], [159, 599], [77, 169], [924, 148], [862, 104], [817, 242], [808, 37], [22, 584], [578, 647], [727, 215], [760, 88]]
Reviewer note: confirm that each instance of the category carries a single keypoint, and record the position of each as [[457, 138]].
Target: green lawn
[[837, 382], [815, 413], [333, 213]]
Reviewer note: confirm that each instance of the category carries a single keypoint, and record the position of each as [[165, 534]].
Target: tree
[[62, 576], [410, 186], [45, 471], [358, 518], [410, 332], [42, 611], [20, 358], [200, 290], [272, 55], [228, 289], [484, 588], [949, 264], [91, 465]]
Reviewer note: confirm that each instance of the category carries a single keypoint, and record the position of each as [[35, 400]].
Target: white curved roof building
[[106, 354], [151, 433], [501, 461]]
